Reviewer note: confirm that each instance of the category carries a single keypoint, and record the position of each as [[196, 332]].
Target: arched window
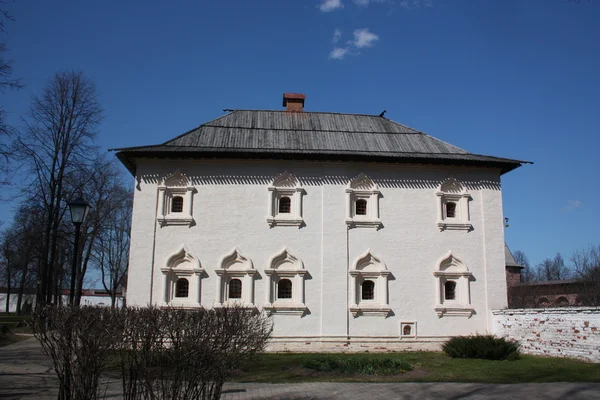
[[177, 204], [182, 287], [285, 205], [361, 207], [284, 289], [406, 330], [235, 289], [450, 209], [450, 290], [368, 290]]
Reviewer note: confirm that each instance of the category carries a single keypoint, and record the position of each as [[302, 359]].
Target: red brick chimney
[[294, 101]]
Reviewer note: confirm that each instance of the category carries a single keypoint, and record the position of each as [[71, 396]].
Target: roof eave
[[128, 158]]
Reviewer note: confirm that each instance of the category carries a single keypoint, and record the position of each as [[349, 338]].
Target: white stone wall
[[230, 210], [558, 332]]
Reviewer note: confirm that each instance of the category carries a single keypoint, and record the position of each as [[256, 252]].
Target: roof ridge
[[317, 112], [311, 130]]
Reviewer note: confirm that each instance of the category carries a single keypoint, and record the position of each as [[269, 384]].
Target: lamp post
[[79, 209]]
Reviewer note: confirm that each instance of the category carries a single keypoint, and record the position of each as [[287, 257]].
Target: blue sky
[[516, 79]]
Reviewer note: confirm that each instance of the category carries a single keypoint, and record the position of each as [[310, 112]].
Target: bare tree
[[553, 269], [111, 253], [7, 82], [57, 142], [111, 208], [586, 265], [527, 273]]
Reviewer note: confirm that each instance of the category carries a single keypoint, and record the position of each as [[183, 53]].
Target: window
[[362, 203], [368, 290], [285, 201], [235, 289], [453, 296], [369, 286], [361, 207], [285, 286], [182, 287], [408, 330], [285, 205], [181, 279], [177, 204], [450, 210], [235, 280], [284, 289], [453, 206], [450, 290], [175, 200]]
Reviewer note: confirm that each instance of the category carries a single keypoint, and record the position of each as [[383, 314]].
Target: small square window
[[285, 205], [361, 207], [450, 210], [182, 287], [177, 204], [235, 289], [284, 289], [368, 290], [450, 290]]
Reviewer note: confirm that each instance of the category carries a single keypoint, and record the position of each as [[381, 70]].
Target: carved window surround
[[284, 265], [175, 185], [181, 264], [362, 188], [450, 268], [235, 266], [452, 191], [368, 267], [285, 185]]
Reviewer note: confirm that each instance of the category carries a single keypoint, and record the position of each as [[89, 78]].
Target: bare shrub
[[162, 353], [187, 354], [78, 340]]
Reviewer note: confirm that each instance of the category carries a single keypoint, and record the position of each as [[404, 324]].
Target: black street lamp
[[79, 209]]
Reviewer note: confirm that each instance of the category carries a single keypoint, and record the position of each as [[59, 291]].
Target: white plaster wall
[[230, 209], [558, 332]]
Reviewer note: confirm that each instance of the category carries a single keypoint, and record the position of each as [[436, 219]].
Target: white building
[[353, 231]]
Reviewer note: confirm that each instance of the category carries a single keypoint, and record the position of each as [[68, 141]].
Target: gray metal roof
[[509, 259], [311, 135]]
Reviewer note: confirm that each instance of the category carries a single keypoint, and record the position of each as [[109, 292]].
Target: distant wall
[[557, 332]]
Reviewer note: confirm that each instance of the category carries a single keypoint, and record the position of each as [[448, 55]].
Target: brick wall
[[558, 332]]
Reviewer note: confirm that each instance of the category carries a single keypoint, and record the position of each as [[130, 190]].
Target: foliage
[[486, 347], [358, 364]]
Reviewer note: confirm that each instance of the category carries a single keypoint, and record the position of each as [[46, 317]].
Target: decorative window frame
[[285, 185], [173, 185], [234, 265], [181, 264], [284, 265], [363, 187], [451, 190], [450, 268], [413, 330], [368, 267]]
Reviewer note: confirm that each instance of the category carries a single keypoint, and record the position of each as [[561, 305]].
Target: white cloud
[[330, 5], [411, 4], [573, 204], [338, 53], [364, 38], [337, 34]]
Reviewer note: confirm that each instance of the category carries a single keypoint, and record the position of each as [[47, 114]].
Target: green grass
[[427, 367], [357, 364]]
